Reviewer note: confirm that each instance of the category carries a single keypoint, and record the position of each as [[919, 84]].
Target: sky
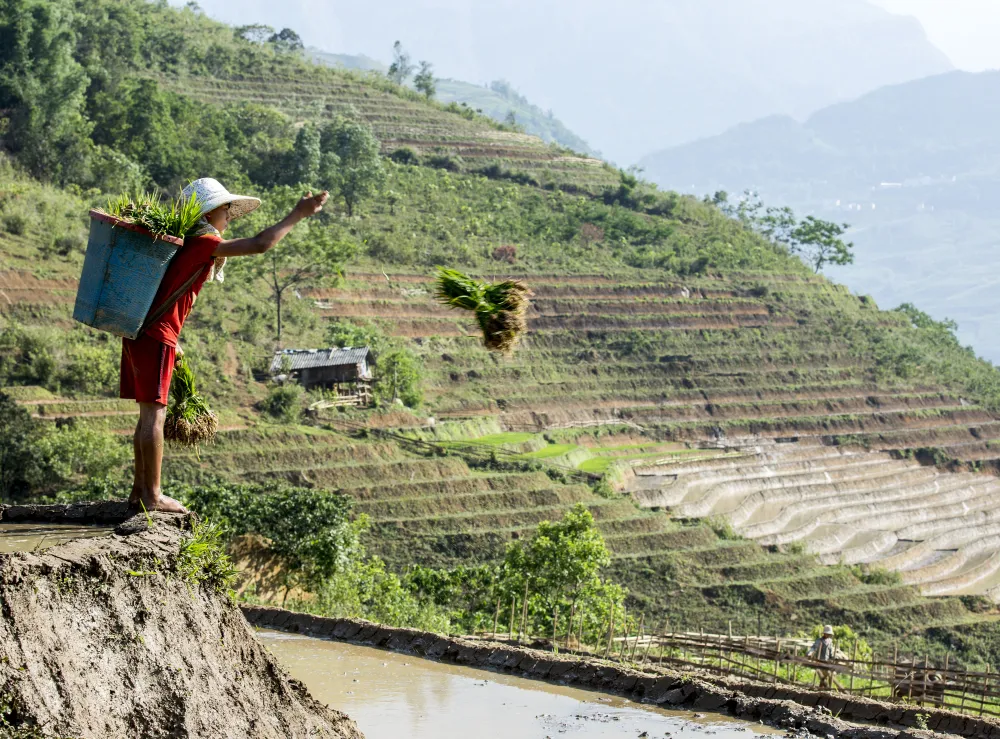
[[965, 30]]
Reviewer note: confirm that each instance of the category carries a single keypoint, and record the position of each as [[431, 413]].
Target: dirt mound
[[105, 638]]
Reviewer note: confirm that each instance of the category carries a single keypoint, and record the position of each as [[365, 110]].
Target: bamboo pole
[[496, 619], [524, 613], [579, 638], [777, 661], [555, 624], [923, 693], [642, 623], [986, 687], [510, 631], [854, 659], [611, 632], [912, 676], [649, 643], [569, 630]]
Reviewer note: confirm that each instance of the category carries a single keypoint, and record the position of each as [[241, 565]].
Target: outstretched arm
[[309, 206]]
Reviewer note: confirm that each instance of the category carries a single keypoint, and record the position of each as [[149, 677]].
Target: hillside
[[498, 101], [722, 63], [911, 167], [694, 386]]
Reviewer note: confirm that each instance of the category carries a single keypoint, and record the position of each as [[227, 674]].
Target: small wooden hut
[[348, 371]]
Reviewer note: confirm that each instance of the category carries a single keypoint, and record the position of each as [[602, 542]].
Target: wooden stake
[[513, 605], [777, 661], [496, 619], [569, 629], [555, 623]]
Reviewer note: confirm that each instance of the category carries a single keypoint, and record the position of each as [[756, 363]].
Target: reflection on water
[[394, 696], [27, 537]]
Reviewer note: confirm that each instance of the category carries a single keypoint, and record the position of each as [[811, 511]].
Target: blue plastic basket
[[122, 271]]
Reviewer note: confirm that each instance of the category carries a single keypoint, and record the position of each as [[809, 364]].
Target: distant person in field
[[148, 361], [823, 650]]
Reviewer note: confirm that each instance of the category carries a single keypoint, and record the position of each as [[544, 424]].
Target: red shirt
[[194, 256]]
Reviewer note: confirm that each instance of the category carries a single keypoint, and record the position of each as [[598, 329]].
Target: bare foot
[[169, 505], [134, 498], [164, 504]]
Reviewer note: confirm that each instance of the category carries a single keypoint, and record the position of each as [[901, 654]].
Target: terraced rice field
[[720, 399], [399, 122], [940, 530]]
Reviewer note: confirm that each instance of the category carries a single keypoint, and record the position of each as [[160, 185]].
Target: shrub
[[506, 253], [446, 162], [92, 370], [15, 224], [405, 155], [283, 403]]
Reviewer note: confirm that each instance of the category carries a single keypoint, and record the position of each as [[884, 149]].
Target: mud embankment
[[105, 637], [822, 714]]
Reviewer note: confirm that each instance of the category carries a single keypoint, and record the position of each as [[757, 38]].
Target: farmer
[[824, 651], [148, 361]]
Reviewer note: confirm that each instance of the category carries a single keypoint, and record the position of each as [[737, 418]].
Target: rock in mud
[[104, 638]]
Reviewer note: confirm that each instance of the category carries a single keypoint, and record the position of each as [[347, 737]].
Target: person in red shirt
[[148, 361]]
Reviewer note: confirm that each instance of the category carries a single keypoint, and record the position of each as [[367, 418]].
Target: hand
[[311, 204], [178, 354]]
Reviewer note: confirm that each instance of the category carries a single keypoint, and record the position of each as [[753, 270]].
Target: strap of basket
[[167, 304]]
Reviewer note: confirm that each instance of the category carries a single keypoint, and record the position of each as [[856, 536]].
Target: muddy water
[[26, 537], [393, 696]]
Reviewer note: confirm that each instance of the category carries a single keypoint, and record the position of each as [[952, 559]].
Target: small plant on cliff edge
[[202, 559]]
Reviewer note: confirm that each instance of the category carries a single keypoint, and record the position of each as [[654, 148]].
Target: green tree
[[820, 243], [286, 41], [255, 33], [400, 374], [304, 167], [352, 164], [425, 81], [401, 68], [816, 241], [561, 562], [312, 255], [310, 530], [42, 87]]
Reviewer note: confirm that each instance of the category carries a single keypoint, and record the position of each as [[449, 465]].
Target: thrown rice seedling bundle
[[189, 419], [501, 308]]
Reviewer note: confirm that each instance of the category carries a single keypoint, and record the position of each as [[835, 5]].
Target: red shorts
[[147, 366]]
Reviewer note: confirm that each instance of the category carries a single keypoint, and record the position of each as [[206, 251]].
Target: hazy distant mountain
[[634, 75], [915, 168]]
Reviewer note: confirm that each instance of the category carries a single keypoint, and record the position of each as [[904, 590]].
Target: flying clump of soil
[[123, 636]]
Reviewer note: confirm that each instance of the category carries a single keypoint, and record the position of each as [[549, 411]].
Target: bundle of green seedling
[[189, 419], [501, 308], [175, 218]]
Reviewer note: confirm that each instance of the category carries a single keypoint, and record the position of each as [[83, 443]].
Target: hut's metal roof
[[292, 360]]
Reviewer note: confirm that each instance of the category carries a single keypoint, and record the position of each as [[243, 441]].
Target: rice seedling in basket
[[176, 218], [501, 308], [189, 419]]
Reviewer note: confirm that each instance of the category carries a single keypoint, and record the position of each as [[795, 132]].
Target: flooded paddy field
[[392, 695], [30, 537]]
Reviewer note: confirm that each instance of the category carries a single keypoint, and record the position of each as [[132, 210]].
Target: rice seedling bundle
[[189, 419], [176, 218], [501, 308]]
